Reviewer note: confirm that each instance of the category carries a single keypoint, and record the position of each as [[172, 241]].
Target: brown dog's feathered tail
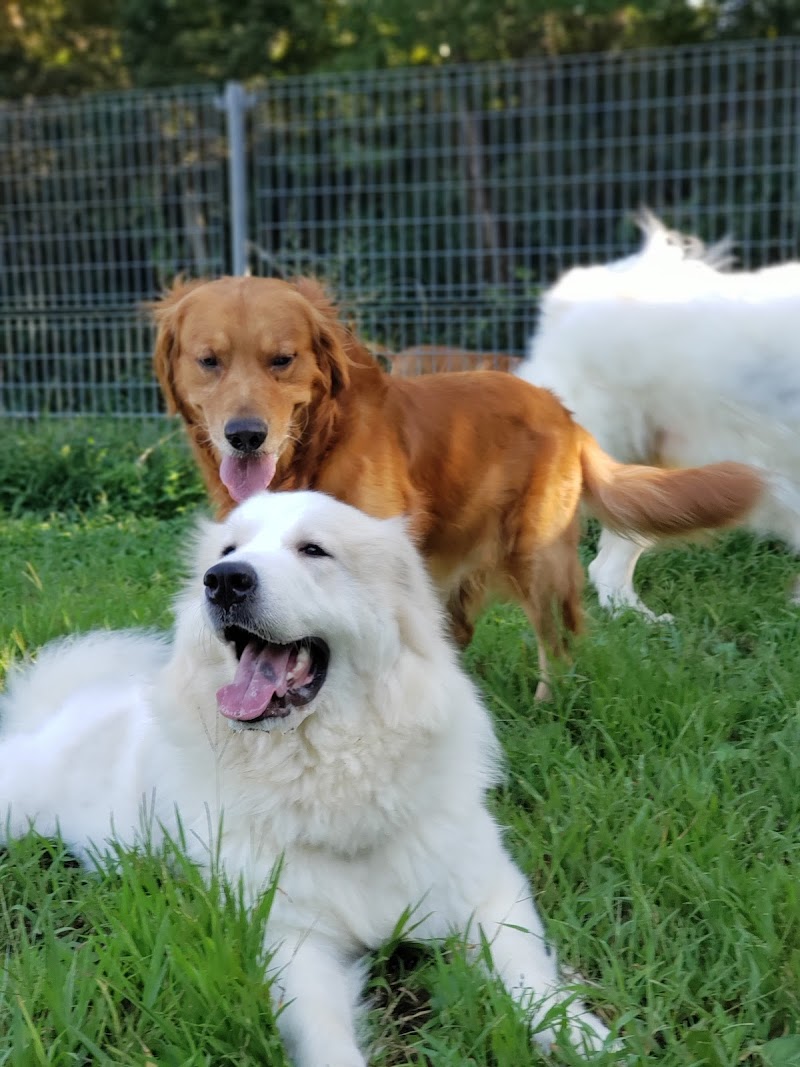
[[634, 499]]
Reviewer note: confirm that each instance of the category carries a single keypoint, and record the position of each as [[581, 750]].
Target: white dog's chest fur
[[330, 814], [359, 829]]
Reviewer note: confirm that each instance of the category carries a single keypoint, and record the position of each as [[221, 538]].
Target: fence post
[[235, 103]]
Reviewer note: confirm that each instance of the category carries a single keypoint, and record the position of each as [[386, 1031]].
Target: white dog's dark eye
[[282, 361], [310, 549], [227, 550], [209, 361]]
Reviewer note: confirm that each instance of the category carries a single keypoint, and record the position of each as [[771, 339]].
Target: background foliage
[[107, 467], [436, 202], [65, 46]]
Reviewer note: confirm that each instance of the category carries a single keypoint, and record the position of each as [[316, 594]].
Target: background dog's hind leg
[[789, 531], [462, 628], [611, 574], [548, 586], [543, 690], [464, 605]]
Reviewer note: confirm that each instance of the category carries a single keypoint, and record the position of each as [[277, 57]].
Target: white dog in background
[[669, 359], [310, 705]]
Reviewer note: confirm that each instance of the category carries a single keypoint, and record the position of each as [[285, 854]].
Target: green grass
[[655, 804]]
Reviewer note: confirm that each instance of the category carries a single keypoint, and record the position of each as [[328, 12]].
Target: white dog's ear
[[205, 545], [400, 526], [404, 527], [418, 609]]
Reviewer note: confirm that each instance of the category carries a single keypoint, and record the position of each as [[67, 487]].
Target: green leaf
[[782, 1052], [702, 1046]]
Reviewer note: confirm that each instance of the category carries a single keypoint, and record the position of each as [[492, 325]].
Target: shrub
[[76, 465]]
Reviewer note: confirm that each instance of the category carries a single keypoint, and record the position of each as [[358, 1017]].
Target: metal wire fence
[[436, 202], [102, 200]]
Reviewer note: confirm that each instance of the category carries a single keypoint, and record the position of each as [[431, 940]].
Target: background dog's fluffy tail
[[670, 246], [642, 500]]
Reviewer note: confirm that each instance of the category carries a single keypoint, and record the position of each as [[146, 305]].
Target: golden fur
[[490, 470], [436, 359]]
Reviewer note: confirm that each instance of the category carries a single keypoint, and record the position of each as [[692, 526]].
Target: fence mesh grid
[[436, 203], [102, 201]]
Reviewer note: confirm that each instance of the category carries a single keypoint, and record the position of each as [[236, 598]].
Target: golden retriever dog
[[276, 392]]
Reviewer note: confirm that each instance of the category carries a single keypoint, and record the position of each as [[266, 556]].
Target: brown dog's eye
[[209, 361], [282, 361]]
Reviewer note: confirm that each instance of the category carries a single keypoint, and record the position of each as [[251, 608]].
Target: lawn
[[655, 804]]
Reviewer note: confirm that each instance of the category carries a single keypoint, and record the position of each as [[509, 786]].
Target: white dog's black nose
[[246, 435], [229, 584]]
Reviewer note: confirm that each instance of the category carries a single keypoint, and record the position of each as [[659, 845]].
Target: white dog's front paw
[[590, 1035], [584, 1032], [343, 1057]]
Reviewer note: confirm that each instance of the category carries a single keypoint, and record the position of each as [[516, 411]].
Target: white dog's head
[[307, 599]]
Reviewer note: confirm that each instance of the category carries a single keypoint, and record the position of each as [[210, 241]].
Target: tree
[[172, 42], [758, 18], [399, 33], [65, 46], [58, 46]]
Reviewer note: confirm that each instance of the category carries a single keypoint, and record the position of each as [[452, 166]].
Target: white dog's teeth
[[301, 665]]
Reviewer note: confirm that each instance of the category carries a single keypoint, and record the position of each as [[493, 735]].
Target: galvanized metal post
[[235, 103]]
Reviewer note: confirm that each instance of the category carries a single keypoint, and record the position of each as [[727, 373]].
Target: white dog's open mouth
[[271, 678]]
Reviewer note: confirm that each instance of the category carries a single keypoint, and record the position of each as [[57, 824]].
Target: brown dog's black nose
[[246, 435], [229, 584]]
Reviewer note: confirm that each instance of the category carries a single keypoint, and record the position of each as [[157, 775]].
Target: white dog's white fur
[[372, 793], [668, 358]]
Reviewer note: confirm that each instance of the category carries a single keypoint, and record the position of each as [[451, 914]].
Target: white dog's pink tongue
[[259, 676], [244, 475]]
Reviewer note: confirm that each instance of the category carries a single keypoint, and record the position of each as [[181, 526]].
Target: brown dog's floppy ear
[[314, 292], [329, 334], [332, 357], [163, 312]]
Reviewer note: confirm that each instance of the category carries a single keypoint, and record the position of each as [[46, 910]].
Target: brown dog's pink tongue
[[258, 677], [244, 475]]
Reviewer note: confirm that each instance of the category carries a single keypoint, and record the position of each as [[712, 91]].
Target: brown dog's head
[[243, 361]]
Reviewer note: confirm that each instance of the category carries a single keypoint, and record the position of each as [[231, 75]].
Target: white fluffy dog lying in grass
[[669, 359], [310, 706]]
